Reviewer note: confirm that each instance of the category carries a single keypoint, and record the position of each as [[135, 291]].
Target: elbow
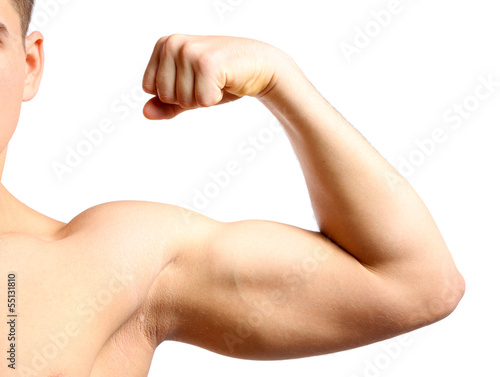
[[442, 298]]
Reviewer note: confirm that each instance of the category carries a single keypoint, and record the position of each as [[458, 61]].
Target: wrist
[[283, 68], [289, 91]]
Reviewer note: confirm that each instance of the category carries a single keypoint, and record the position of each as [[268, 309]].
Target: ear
[[34, 64]]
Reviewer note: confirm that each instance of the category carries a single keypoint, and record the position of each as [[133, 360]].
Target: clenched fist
[[186, 72]]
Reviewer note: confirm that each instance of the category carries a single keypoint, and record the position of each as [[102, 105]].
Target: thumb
[[154, 109]]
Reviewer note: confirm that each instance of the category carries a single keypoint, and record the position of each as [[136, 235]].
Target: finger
[[167, 73], [157, 110], [185, 82], [207, 90], [149, 79]]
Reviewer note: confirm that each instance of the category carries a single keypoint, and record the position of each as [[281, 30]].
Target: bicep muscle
[[263, 290]]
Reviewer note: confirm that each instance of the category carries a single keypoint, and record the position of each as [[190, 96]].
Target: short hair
[[24, 8]]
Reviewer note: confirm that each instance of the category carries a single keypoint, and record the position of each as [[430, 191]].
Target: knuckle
[[210, 97], [173, 42], [149, 83], [205, 101], [186, 102], [160, 42], [188, 52], [206, 62], [165, 96], [148, 87]]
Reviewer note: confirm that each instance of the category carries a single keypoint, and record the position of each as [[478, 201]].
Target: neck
[[2, 162], [8, 211], [5, 202]]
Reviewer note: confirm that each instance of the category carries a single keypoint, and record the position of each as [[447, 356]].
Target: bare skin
[[100, 293]]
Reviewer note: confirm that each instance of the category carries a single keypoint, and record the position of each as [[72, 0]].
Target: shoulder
[[125, 218], [148, 229], [136, 238], [89, 279], [144, 236]]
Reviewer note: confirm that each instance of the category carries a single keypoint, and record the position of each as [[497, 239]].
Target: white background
[[395, 91]]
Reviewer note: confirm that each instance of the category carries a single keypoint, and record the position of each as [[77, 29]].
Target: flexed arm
[[256, 289]]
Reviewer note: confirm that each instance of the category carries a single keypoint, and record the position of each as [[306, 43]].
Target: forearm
[[360, 201]]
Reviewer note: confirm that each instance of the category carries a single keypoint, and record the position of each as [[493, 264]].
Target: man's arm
[[256, 289]]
